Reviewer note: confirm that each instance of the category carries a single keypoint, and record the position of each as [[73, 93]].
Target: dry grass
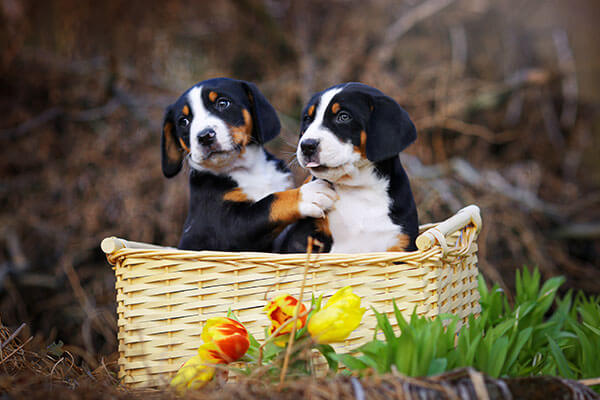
[[31, 375]]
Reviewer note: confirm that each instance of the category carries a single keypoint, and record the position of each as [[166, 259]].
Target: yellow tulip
[[338, 318], [193, 374]]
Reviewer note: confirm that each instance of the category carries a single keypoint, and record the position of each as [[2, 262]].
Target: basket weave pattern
[[165, 295]]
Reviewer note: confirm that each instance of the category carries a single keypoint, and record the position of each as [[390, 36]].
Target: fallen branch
[[589, 230], [12, 336], [407, 21], [31, 124]]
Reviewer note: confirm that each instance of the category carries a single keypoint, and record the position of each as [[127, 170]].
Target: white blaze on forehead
[[199, 112], [323, 105], [203, 118]]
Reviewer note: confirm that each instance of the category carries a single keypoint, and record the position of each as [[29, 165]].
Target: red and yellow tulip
[[280, 310], [338, 318], [225, 341]]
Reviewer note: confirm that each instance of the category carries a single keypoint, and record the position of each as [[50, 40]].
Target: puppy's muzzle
[[310, 152], [207, 137], [309, 147]]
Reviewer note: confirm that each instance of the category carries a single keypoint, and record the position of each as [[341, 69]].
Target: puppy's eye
[[183, 122], [343, 117], [306, 118], [222, 104]]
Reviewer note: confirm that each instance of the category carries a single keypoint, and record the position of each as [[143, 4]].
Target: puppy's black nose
[[309, 147], [206, 136]]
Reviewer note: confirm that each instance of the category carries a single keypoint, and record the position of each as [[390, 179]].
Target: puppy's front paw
[[316, 198]]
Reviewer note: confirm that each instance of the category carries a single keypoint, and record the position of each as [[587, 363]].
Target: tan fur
[[243, 133], [335, 108], [212, 96], [284, 208], [322, 225], [362, 149], [186, 110], [401, 243], [182, 143], [311, 110], [236, 195], [172, 150]]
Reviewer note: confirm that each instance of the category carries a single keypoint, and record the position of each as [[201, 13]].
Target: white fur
[[316, 197], [201, 119], [257, 176], [359, 221]]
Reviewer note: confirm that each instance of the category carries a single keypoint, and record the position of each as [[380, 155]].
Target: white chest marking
[[360, 221], [258, 177]]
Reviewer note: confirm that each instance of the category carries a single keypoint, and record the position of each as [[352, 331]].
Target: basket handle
[[464, 217], [111, 244]]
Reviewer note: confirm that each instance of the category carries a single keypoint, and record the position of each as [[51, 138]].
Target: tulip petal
[[225, 341], [338, 318], [280, 310], [193, 374]]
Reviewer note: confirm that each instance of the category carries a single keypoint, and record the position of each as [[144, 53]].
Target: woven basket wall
[[165, 295]]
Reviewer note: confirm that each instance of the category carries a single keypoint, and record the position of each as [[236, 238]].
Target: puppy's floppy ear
[[172, 153], [389, 130], [265, 120]]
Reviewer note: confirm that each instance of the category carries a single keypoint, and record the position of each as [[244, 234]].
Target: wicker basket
[[164, 295]]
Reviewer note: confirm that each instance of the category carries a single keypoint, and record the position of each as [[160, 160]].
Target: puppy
[[351, 136], [240, 196]]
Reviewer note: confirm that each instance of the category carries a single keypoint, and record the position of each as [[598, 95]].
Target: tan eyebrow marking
[[311, 110], [212, 96], [185, 110], [335, 108]]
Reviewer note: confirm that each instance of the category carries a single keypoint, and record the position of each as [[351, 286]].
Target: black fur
[[294, 238], [215, 224], [403, 210]]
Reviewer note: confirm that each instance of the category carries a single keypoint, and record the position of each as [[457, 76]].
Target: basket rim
[[431, 243], [276, 258]]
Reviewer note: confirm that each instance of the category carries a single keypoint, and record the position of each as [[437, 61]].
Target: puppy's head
[[348, 126], [213, 122]]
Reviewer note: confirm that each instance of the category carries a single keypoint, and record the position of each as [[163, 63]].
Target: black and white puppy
[[240, 196], [351, 135]]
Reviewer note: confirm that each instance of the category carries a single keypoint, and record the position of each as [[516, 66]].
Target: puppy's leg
[[316, 200], [312, 199], [262, 221]]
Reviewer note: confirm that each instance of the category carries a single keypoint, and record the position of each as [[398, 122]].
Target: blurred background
[[505, 95]]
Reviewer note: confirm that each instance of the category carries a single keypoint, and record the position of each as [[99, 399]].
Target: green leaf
[[56, 349], [327, 352], [591, 328], [497, 357], [349, 361], [561, 361], [437, 366], [378, 351], [522, 338]]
